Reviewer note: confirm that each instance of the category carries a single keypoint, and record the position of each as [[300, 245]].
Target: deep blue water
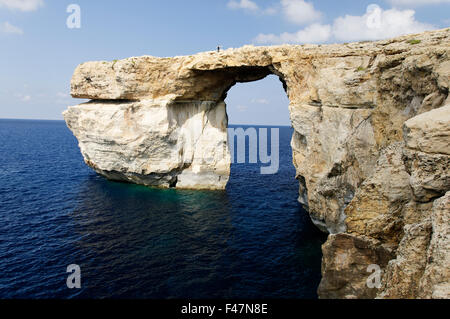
[[251, 241]]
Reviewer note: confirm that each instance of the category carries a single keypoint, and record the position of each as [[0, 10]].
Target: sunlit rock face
[[154, 143], [370, 143]]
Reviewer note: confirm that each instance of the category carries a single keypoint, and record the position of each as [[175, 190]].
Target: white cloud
[[300, 12], [415, 3], [375, 24], [26, 98], [8, 28], [250, 6], [315, 33], [22, 5], [243, 4]]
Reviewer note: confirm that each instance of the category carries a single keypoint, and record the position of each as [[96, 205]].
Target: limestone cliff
[[370, 144]]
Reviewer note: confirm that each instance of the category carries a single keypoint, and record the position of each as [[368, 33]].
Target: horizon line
[[62, 120]]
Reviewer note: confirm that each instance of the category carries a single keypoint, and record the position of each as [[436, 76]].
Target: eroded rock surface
[[154, 143], [370, 144], [403, 211]]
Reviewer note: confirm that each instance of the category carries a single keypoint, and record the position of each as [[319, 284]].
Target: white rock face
[[187, 142]]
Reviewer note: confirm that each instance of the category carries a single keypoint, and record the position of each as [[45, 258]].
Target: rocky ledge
[[371, 145]]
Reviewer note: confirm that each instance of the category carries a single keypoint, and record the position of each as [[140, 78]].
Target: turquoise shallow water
[[251, 241]]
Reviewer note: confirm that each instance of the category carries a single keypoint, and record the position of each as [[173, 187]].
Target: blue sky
[[38, 53]]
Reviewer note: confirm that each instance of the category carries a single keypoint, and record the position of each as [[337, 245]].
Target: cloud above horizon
[[300, 12], [390, 23], [8, 28], [375, 24], [22, 5], [243, 4], [315, 33], [250, 6]]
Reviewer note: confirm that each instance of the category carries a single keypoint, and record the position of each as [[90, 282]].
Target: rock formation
[[371, 144]]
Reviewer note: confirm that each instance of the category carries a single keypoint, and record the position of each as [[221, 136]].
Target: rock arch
[[162, 122]]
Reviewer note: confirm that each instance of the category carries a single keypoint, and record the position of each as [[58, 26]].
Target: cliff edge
[[371, 145]]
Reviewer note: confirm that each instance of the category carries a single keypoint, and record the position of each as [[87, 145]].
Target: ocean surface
[[251, 241]]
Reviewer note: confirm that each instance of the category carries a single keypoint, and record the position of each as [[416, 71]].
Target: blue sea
[[252, 240]]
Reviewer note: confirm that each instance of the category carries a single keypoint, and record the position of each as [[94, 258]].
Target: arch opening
[[264, 207], [260, 102]]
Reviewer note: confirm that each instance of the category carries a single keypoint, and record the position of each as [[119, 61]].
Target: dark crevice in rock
[[173, 183], [113, 102]]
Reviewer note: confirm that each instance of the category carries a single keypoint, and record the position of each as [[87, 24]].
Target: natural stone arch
[[184, 98], [162, 122]]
